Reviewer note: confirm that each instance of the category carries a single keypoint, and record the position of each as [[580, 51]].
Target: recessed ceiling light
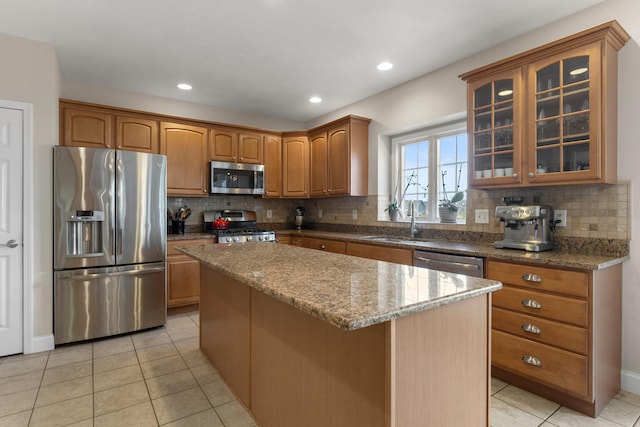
[[384, 66], [577, 71], [505, 92], [184, 86], [315, 99]]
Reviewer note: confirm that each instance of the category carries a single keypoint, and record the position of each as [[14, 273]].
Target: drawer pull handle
[[323, 247], [528, 327], [532, 278], [531, 303], [531, 360]]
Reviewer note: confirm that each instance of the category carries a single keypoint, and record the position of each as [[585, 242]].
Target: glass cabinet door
[[563, 131], [494, 124]]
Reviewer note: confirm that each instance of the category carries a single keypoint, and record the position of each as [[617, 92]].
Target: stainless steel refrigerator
[[110, 231]]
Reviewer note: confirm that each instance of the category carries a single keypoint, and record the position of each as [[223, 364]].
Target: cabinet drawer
[[324, 245], [558, 368], [540, 278], [569, 337], [171, 246], [541, 304]]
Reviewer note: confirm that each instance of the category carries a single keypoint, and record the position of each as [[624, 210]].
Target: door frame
[[27, 225]]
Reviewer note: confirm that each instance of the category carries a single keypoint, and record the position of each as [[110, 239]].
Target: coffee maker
[[526, 227]]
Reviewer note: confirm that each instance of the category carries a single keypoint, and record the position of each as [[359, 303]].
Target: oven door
[[237, 178]]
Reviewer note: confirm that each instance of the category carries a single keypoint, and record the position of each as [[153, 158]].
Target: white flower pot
[[447, 216]]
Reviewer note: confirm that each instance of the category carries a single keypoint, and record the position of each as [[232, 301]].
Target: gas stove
[[242, 227]]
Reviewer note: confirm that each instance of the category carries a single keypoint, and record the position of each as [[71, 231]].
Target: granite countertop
[[347, 292], [552, 258], [189, 236]]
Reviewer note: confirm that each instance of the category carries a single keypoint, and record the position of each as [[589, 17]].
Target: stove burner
[[242, 227]]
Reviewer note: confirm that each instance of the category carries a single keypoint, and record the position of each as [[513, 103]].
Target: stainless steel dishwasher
[[461, 264]]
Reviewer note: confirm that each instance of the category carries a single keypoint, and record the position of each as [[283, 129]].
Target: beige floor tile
[[205, 373], [218, 393], [23, 366], [114, 361], [164, 366], [529, 402], [233, 414], [630, 398], [20, 419], [20, 382], [117, 398], [17, 402], [179, 405], [65, 390], [505, 415], [117, 377], [621, 412], [179, 321], [565, 417], [183, 333], [70, 354], [63, 413], [150, 338], [157, 352], [196, 318], [208, 418], [171, 383], [111, 346], [194, 358], [140, 415], [187, 345], [22, 357], [497, 385], [67, 372], [84, 423]]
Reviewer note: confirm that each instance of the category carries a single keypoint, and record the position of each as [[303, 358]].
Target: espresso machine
[[526, 227]]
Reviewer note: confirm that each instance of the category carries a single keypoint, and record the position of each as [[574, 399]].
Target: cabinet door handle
[[323, 247], [531, 360], [532, 278], [528, 327], [531, 303], [530, 174]]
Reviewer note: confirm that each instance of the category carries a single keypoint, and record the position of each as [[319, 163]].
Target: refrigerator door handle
[[92, 276]]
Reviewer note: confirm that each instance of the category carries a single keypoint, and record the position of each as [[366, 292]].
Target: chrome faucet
[[414, 230]]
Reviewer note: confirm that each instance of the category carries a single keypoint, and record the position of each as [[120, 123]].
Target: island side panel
[[306, 372], [225, 329], [440, 366]]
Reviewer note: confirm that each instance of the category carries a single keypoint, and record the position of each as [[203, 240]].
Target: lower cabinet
[[183, 274], [285, 239], [328, 245], [557, 332], [381, 253]]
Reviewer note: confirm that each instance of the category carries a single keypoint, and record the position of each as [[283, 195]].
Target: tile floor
[[159, 377]]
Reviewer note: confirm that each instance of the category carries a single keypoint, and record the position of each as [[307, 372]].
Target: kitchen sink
[[385, 239]]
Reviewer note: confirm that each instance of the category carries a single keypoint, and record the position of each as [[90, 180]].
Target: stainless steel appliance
[[299, 217], [110, 230], [526, 227], [237, 178], [460, 264], [242, 227]]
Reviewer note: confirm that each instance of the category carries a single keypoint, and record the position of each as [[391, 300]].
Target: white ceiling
[[269, 56]]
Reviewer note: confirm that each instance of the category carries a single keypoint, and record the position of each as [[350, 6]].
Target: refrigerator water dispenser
[[84, 233]]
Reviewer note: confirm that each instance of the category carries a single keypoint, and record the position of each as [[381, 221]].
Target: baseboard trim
[[41, 343], [630, 381]]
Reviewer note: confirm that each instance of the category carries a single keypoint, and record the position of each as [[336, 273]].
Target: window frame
[[431, 134]]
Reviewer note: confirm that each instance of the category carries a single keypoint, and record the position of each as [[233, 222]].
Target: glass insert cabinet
[[547, 116]]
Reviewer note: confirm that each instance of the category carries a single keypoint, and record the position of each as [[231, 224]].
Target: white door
[[11, 151]]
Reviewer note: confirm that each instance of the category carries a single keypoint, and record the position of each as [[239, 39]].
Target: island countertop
[[345, 291]]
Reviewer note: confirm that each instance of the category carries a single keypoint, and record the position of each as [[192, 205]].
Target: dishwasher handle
[[470, 266]]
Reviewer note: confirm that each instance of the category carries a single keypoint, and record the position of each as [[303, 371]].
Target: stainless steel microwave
[[237, 178]]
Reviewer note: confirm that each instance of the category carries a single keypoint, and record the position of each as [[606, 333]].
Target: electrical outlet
[[482, 216], [269, 213], [320, 213], [561, 216], [354, 214]]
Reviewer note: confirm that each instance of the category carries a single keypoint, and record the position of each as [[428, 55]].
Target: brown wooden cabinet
[[183, 274], [186, 149], [549, 115], [338, 160], [231, 145], [85, 127], [380, 253], [329, 245], [136, 134], [272, 156], [283, 238], [295, 166], [557, 332]]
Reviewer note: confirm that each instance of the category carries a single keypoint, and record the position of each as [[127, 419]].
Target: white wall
[[30, 74], [441, 94]]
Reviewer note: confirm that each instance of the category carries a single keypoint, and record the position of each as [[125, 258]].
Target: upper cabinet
[[318, 153], [230, 145], [186, 149], [137, 134], [547, 116], [295, 166], [272, 155]]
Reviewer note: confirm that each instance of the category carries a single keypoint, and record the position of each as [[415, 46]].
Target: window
[[430, 165]]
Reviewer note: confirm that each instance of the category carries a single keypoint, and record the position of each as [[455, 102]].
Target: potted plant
[[394, 208], [448, 207]]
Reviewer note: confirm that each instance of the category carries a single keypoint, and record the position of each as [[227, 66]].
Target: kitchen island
[[309, 338]]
